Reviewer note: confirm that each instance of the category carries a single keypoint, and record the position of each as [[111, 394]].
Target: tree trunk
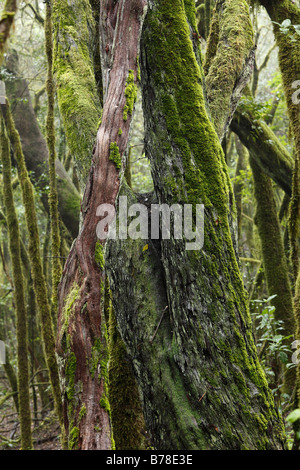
[[81, 344], [274, 260]]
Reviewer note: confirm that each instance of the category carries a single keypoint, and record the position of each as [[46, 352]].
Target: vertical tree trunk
[[288, 42], [19, 293]]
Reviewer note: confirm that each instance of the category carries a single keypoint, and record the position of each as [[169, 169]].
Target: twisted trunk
[[82, 344]]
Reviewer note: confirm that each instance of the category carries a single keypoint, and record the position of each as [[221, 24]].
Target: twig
[[161, 318]]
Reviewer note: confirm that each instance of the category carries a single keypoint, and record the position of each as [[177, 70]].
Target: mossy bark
[[75, 39], [289, 62], [183, 315], [274, 260], [39, 281], [297, 400], [125, 405], [19, 293], [238, 187], [50, 137], [269, 153], [229, 61], [6, 21]]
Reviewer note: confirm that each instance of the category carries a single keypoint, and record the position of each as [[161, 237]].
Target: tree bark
[[288, 42], [229, 62], [76, 70]]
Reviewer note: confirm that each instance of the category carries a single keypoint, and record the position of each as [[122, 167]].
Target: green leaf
[[293, 416], [286, 23]]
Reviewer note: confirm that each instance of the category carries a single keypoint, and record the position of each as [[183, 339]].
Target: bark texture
[[274, 260], [75, 59], [288, 42], [19, 293], [6, 22]]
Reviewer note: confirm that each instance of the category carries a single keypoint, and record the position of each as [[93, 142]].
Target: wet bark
[[229, 61]]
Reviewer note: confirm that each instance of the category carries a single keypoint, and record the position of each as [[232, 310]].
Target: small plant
[[271, 343]]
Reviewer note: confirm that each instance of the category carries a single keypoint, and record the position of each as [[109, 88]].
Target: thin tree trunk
[[19, 294], [36, 153], [39, 281]]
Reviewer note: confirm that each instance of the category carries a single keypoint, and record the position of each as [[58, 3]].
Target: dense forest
[[149, 216]]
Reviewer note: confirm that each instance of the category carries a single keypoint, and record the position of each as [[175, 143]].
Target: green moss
[[68, 308], [99, 255], [73, 438], [70, 372], [114, 155], [120, 132], [82, 413], [186, 139], [97, 353], [130, 94], [230, 44], [125, 408], [104, 403], [77, 94]]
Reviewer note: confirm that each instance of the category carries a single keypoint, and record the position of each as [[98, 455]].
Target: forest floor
[[45, 432]]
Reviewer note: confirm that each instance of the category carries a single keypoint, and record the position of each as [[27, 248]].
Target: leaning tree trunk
[[81, 344], [183, 314]]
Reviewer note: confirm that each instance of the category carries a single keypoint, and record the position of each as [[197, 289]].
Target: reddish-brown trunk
[[121, 27]]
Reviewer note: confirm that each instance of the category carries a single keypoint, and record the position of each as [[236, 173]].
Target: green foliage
[[286, 27], [270, 341]]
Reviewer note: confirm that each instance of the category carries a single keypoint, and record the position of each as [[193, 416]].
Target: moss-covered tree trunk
[[288, 42], [268, 152], [82, 339], [6, 21], [19, 293], [182, 314], [36, 152]]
